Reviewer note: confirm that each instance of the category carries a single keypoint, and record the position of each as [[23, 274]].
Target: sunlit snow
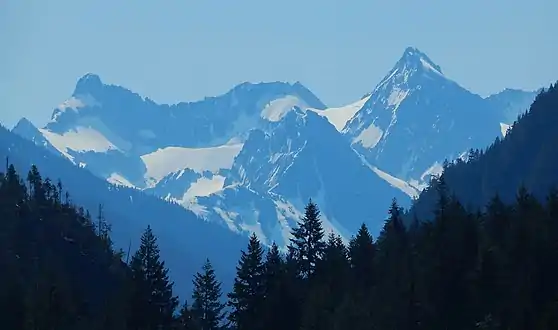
[[205, 187], [118, 180], [168, 160], [74, 103], [339, 117], [397, 183], [278, 108], [80, 139], [504, 128]]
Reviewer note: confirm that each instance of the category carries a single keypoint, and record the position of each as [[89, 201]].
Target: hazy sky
[[180, 50]]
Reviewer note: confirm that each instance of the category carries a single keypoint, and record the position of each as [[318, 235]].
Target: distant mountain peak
[[413, 58], [88, 84], [413, 63]]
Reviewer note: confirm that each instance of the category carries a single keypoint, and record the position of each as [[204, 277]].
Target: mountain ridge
[[190, 152]]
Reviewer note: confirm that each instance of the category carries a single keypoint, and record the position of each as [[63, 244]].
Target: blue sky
[[180, 50]]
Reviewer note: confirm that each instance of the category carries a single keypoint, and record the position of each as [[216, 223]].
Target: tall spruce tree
[[307, 244], [247, 296], [328, 287], [277, 292], [362, 251], [153, 304], [395, 282], [207, 308], [358, 306]]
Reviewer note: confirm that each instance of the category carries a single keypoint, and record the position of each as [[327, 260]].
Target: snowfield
[[168, 160], [339, 117]]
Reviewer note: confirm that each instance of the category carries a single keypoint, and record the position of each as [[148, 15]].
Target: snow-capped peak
[[412, 63], [414, 58]]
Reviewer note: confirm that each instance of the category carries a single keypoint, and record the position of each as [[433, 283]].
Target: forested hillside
[[129, 211], [526, 156], [59, 270], [462, 270]]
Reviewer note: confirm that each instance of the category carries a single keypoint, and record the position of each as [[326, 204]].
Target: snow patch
[[80, 139], [429, 67], [369, 137], [168, 160], [199, 210], [205, 187], [397, 183], [435, 170], [228, 217], [396, 97], [277, 109], [339, 117], [74, 103], [118, 180], [405, 187], [504, 128]]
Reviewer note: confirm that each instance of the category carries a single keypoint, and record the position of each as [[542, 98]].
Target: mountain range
[[250, 159]]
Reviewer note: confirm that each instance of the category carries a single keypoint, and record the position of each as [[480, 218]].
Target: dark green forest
[[466, 266], [462, 270]]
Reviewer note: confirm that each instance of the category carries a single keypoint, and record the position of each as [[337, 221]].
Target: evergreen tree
[[207, 308], [395, 274], [186, 319], [362, 251], [153, 303], [278, 289], [328, 287], [43, 245], [359, 304], [248, 291], [307, 245], [103, 228]]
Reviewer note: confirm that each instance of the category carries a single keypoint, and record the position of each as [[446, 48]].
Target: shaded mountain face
[[525, 157]]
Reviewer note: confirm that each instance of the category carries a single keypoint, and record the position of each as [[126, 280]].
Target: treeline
[[461, 270]]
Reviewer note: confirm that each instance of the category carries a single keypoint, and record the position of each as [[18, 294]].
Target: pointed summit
[[413, 58], [412, 65], [24, 124], [88, 84]]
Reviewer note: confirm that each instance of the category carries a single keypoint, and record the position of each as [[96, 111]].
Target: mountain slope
[[526, 156], [108, 128], [185, 241], [103, 128], [416, 116], [294, 160]]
